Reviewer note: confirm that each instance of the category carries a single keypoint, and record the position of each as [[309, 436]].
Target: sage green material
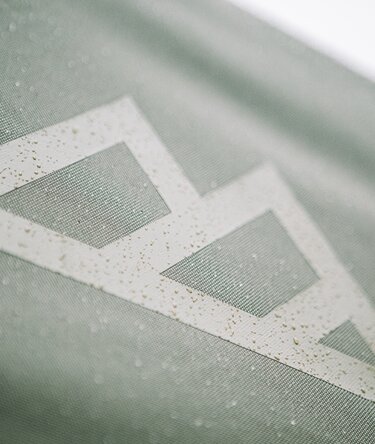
[[81, 366], [347, 339], [225, 92], [96, 200], [255, 268]]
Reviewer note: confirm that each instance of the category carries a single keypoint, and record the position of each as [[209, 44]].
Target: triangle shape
[[347, 339]]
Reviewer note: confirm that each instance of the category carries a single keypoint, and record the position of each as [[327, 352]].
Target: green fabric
[[79, 365], [96, 200], [225, 92], [255, 268], [346, 339], [222, 89]]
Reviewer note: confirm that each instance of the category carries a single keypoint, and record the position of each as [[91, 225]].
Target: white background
[[342, 29]]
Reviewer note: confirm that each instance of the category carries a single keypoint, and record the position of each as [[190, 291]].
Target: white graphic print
[[131, 266]]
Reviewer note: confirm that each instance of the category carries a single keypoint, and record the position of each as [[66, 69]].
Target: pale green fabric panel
[[79, 365], [223, 90]]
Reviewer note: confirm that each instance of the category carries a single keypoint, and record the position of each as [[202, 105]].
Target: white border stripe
[[130, 267]]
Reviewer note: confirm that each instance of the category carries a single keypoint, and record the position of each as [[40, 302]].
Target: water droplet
[[198, 422], [231, 404], [98, 379], [94, 328]]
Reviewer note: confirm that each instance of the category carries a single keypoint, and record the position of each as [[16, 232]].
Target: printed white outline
[[130, 267]]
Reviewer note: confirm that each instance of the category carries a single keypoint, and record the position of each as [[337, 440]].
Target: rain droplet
[[198, 422], [98, 379], [230, 404]]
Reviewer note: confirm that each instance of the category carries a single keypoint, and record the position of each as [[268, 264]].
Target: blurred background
[[342, 30]]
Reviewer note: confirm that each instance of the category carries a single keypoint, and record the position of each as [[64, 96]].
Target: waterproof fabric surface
[[225, 93]]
